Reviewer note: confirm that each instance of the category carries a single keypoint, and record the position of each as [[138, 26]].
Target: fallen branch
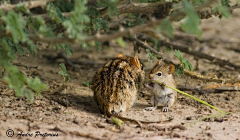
[[203, 90], [144, 45], [185, 48], [163, 9], [27, 67], [62, 56], [196, 75], [70, 62], [85, 135], [29, 4]]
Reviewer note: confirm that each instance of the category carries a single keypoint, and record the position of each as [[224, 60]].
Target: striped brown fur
[[115, 85]]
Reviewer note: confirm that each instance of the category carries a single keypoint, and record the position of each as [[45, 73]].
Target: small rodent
[[162, 94], [115, 85]]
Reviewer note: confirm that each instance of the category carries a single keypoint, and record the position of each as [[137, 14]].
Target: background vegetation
[[92, 23]]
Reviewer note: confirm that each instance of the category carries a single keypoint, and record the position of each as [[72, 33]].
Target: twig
[[152, 50], [140, 123], [62, 56], [146, 46], [196, 75], [72, 62], [85, 135], [202, 90], [27, 67], [235, 49], [162, 8], [185, 48], [29, 4]]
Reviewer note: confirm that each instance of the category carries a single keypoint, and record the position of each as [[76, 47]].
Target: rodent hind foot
[[150, 108], [165, 109]]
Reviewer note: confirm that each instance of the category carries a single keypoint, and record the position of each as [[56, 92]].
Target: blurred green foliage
[[19, 27]]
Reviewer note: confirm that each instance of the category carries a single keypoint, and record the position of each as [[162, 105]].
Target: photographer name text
[[37, 134]]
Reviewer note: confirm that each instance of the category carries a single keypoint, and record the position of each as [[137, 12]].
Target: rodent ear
[[170, 68], [159, 62], [136, 62], [120, 55]]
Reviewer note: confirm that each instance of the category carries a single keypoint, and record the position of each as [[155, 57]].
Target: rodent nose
[[150, 76]]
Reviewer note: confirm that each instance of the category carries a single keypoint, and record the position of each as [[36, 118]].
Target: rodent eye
[[159, 74]]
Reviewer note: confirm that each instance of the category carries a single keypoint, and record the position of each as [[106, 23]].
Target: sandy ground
[[69, 112]]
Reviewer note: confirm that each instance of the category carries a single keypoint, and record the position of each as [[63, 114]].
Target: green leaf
[[15, 24], [66, 47], [166, 28], [192, 22], [43, 29], [75, 25], [99, 45], [117, 121], [36, 85], [179, 72], [99, 24], [178, 54], [151, 56], [86, 83], [224, 11], [64, 72], [54, 13], [188, 65], [225, 3], [184, 63], [121, 42], [23, 8], [29, 95], [111, 6]]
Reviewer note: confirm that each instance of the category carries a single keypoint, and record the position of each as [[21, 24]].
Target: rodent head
[[136, 67], [134, 61], [161, 72]]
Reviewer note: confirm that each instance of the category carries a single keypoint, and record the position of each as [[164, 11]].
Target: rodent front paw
[[163, 84], [148, 85]]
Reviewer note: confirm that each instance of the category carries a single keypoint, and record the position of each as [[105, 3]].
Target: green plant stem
[[199, 100]]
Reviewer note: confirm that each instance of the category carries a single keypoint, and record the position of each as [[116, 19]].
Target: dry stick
[[146, 46], [85, 135], [140, 122], [216, 90], [62, 56], [163, 8], [196, 75], [27, 67], [189, 73], [29, 4], [185, 48]]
